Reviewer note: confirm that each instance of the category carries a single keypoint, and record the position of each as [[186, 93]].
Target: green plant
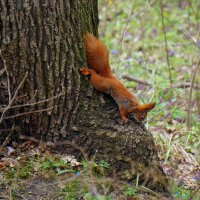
[[59, 166], [130, 191], [24, 170], [75, 189], [182, 192], [105, 164]]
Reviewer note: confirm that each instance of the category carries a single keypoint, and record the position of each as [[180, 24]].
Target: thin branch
[[7, 130], [13, 98], [135, 79], [186, 85], [144, 82], [189, 121], [123, 34], [35, 103], [166, 45], [145, 189], [189, 110], [126, 26], [28, 113]]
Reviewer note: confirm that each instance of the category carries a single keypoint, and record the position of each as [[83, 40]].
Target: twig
[[6, 130], [13, 98], [186, 85], [137, 80], [166, 45], [189, 111], [145, 189], [126, 26], [28, 113], [144, 82], [189, 121], [36, 103], [123, 34]]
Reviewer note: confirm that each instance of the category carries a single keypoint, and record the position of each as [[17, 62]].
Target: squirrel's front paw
[[84, 71]]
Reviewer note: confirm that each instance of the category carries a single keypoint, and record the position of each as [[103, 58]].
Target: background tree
[[43, 94]]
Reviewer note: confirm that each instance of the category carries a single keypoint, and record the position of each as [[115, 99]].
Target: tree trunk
[[46, 97]]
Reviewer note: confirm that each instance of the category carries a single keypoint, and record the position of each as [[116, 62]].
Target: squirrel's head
[[141, 112]]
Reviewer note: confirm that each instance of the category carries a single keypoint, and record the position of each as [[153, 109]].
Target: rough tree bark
[[43, 39]]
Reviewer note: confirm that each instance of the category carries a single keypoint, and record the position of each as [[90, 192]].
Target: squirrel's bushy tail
[[97, 55]]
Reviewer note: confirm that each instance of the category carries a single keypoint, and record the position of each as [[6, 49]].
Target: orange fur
[[97, 55], [103, 80]]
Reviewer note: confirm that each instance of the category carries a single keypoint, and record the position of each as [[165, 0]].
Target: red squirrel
[[103, 80]]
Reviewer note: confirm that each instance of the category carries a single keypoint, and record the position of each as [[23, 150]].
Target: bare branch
[[124, 32], [13, 98], [144, 82], [189, 120], [35, 103], [135, 79], [186, 85], [189, 110], [28, 113], [166, 45]]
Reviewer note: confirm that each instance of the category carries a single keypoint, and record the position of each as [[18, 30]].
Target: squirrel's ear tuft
[[149, 106], [146, 107]]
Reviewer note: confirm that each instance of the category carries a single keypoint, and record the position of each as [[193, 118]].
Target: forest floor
[[32, 172], [29, 171]]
